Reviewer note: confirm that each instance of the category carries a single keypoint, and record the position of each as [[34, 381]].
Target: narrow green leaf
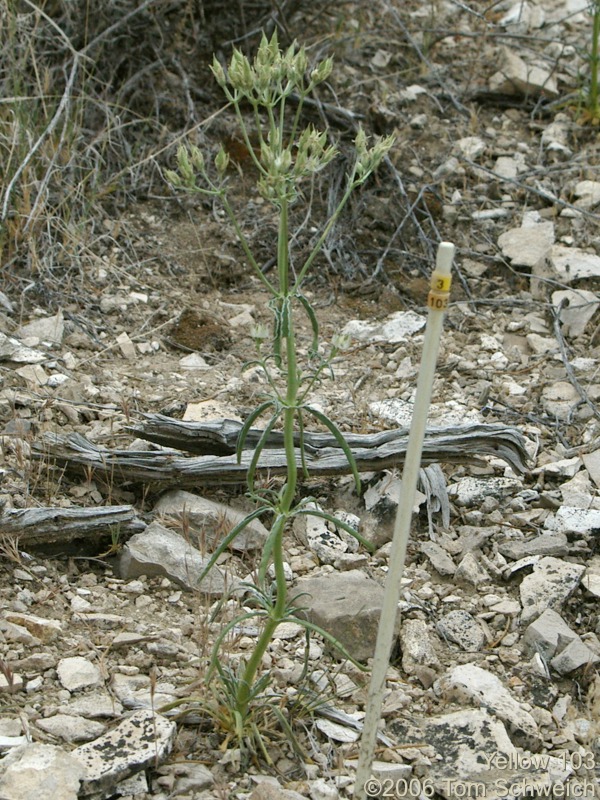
[[259, 448], [301, 444], [310, 313], [241, 440], [339, 437]]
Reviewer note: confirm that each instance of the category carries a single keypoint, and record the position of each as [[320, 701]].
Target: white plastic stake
[[437, 302]]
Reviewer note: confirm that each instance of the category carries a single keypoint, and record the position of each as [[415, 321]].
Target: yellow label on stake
[[438, 302], [440, 282]]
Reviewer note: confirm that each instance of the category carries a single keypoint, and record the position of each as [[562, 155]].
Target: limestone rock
[[571, 263], [547, 635], [527, 245], [546, 545], [347, 605], [49, 330], [417, 648], [208, 521], [142, 740], [71, 728], [577, 307], [470, 571], [463, 629], [515, 77], [398, 327], [160, 551], [439, 558], [77, 673], [40, 771], [576, 654], [551, 583], [470, 683], [46, 630], [327, 541]]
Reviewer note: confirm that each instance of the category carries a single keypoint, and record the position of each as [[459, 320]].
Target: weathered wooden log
[[373, 452], [48, 525]]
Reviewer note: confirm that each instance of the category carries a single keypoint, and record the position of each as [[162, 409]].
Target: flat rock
[[266, 790], [183, 778], [398, 327], [439, 558], [136, 691], [463, 629], [571, 263], [347, 605], [592, 464], [591, 579], [577, 520], [141, 741], [71, 728], [77, 673], [515, 77], [207, 522], [49, 330], [575, 655], [559, 398], [470, 571], [160, 551], [527, 245], [40, 771], [547, 635], [471, 491], [46, 630], [472, 684], [13, 350], [548, 544], [551, 583], [577, 307], [417, 647]]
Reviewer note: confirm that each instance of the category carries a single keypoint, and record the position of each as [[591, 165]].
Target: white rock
[[578, 308], [417, 647], [587, 194], [559, 398], [206, 410], [40, 771], [527, 245], [570, 263], [141, 741], [578, 520], [193, 361], [470, 683], [575, 655], [470, 571], [322, 790], [337, 732], [470, 147], [34, 374], [515, 77], [13, 350], [591, 579], [592, 464], [471, 491], [47, 329], [126, 346], [547, 635], [398, 327], [71, 728], [551, 583], [77, 673]]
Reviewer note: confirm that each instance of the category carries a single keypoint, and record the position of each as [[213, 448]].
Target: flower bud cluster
[[272, 76]]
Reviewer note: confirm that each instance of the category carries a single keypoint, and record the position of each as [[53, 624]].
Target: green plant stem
[[278, 612]]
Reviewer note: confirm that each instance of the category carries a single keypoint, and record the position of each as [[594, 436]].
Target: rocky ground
[[493, 690]]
